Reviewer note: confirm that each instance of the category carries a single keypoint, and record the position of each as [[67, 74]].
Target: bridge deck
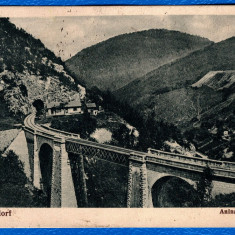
[[74, 144]]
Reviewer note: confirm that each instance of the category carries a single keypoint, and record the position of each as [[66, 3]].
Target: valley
[[100, 112]]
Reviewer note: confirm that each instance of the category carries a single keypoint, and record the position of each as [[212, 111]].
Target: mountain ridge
[[178, 93], [182, 72], [115, 62]]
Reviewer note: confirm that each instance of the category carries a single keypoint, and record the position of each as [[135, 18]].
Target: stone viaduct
[[52, 168]]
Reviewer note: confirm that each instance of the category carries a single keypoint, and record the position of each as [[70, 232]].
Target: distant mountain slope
[[163, 89], [197, 94], [29, 70], [117, 61]]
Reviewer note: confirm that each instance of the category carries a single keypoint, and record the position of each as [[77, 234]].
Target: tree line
[[15, 188], [152, 133]]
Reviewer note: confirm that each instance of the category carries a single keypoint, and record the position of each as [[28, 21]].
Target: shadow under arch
[[39, 106], [172, 191], [46, 158]]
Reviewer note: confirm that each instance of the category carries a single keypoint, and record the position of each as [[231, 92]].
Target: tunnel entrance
[[39, 106], [172, 191], [45, 157]]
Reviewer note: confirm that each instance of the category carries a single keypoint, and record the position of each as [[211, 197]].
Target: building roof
[[90, 105], [73, 104], [53, 105]]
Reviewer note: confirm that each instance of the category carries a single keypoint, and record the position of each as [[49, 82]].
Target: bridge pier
[[49, 159], [137, 195], [62, 187], [36, 165], [30, 145], [56, 175], [82, 174], [68, 197]]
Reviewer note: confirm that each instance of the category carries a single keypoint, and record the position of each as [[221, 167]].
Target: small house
[[73, 107], [57, 108], [54, 108], [92, 109]]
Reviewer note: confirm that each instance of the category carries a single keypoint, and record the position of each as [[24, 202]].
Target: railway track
[[153, 155], [30, 123]]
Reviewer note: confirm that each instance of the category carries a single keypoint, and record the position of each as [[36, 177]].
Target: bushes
[[83, 125], [222, 200], [1, 65], [14, 187], [63, 79], [12, 170], [204, 187], [204, 190], [21, 51], [152, 133], [123, 137]]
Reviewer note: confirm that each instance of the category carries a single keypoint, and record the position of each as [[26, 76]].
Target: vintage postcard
[[117, 116]]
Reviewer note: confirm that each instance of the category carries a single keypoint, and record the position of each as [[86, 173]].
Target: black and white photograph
[[117, 111]]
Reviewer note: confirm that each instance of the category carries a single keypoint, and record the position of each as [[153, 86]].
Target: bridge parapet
[[139, 157], [144, 168], [27, 129], [213, 164], [91, 149], [65, 133], [189, 166]]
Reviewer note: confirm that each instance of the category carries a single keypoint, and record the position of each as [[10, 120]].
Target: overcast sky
[[66, 36]]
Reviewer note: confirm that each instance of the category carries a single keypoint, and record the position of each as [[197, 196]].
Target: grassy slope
[[116, 62]]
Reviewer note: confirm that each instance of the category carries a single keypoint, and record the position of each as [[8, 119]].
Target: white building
[[57, 108], [54, 108], [92, 109], [73, 107]]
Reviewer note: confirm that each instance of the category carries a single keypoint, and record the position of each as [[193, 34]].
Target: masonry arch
[[39, 106], [172, 191], [46, 159]]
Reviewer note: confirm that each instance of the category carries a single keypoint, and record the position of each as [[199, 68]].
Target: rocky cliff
[[29, 71]]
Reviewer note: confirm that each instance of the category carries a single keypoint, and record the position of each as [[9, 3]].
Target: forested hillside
[[195, 93], [168, 89], [117, 61]]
